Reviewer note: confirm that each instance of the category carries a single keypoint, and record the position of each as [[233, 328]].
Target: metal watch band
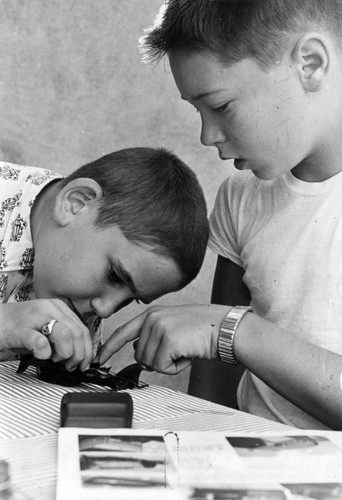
[[227, 332]]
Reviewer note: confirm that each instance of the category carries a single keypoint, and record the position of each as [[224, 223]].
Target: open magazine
[[128, 464]]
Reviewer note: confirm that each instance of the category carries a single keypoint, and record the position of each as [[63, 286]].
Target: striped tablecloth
[[30, 412]]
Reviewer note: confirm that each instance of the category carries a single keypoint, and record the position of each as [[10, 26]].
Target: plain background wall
[[73, 88]]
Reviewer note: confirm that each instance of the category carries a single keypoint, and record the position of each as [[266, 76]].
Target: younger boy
[[129, 226], [266, 78]]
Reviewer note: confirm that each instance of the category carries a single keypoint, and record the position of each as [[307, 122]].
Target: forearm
[[170, 337], [305, 374]]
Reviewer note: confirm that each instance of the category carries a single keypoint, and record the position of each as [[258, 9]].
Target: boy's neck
[[325, 164], [42, 208]]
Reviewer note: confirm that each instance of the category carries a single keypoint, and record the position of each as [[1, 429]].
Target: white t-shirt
[[286, 234]]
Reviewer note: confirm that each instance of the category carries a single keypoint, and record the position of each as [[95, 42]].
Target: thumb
[[125, 333], [38, 344]]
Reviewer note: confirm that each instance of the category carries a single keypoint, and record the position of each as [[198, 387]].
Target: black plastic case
[[94, 409]]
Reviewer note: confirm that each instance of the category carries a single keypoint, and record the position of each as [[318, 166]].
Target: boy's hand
[[20, 330], [169, 337]]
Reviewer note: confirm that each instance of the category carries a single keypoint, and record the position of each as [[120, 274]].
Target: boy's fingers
[[163, 361], [66, 316], [88, 354], [62, 341], [37, 344], [71, 344], [160, 355], [146, 348], [125, 333]]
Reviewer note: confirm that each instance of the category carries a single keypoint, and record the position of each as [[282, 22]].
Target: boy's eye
[[113, 276], [221, 109]]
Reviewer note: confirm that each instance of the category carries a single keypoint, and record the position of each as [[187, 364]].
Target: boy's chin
[[266, 173], [264, 176]]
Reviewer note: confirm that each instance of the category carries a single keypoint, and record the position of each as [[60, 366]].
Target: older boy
[[129, 226], [266, 78]]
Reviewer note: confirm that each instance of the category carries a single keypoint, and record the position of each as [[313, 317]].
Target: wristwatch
[[225, 343]]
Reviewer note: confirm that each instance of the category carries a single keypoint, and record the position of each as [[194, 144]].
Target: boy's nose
[[109, 303], [211, 134]]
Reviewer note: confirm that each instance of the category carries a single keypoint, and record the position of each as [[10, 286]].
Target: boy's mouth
[[224, 157]]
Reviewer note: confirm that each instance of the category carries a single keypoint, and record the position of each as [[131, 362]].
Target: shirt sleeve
[[223, 223]]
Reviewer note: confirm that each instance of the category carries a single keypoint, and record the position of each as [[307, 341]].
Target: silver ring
[[47, 328]]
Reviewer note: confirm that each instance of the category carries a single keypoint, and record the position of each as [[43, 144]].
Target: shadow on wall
[[73, 88]]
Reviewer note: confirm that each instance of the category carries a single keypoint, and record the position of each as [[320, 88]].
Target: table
[[30, 412]]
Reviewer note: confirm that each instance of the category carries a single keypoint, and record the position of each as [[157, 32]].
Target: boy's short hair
[[155, 199], [236, 29]]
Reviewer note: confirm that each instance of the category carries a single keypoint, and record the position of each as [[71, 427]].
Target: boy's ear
[[75, 198], [311, 56]]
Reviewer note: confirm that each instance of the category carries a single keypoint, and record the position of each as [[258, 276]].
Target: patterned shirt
[[19, 187]]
